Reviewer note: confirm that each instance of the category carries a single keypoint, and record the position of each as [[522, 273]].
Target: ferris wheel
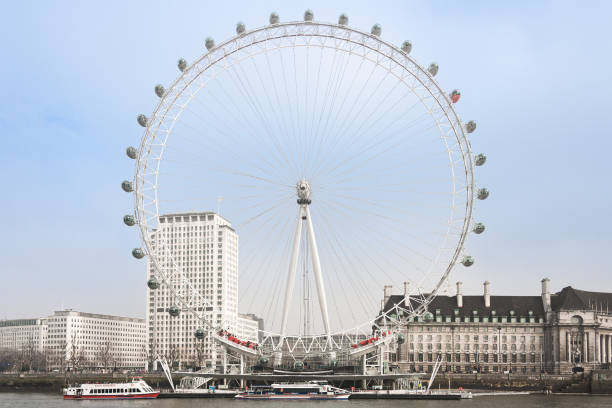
[[342, 166]]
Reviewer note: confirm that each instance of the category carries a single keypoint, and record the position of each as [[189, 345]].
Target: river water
[[31, 400]]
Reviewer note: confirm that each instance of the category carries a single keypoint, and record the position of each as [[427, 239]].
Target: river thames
[[31, 400]]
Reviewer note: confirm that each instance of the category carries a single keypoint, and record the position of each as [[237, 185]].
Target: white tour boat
[[313, 390], [136, 389]]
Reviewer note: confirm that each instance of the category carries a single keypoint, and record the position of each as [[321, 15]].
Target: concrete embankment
[[55, 382], [597, 382]]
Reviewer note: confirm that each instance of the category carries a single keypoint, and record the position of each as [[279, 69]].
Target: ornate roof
[[521, 305], [567, 299], [573, 299]]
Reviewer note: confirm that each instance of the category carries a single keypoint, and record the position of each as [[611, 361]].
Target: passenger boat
[[312, 390], [136, 389]]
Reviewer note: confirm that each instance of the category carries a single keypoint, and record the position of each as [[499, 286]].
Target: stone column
[[585, 346], [568, 342], [609, 348]]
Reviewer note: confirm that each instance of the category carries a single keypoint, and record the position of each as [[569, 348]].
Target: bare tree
[[75, 354], [200, 353], [29, 354], [105, 354], [148, 356], [172, 356]]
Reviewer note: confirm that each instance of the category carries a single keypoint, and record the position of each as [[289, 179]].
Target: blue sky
[[534, 75]]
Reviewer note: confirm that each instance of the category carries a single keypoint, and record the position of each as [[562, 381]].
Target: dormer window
[[512, 313], [493, 313], [456, 312], [530, 313]]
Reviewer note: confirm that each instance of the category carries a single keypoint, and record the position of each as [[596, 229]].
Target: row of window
[[467, 357], [472, 369]]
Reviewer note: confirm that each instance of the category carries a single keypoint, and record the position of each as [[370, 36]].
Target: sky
[[533, 74]]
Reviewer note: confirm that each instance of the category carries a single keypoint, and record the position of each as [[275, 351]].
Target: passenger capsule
[[480, 159], [454, 96], [470, 126], [273, 18], [159, 90], [129, 220], [483, 193], [182, 65], [400, 339], [376, 30], [467, 261], [298, 365], [174, 311], [131, 152], [263, 361], [127, 186], [209, 43], [142, 120], [153, 283], [479, 228], [138, 253], [200, 334], [240, 28], [308, 15], [433, 69], [407, 47], [343, 19]]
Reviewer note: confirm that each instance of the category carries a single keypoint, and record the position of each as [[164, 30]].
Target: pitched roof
[[567, 299], [573, 299], [521, 305]]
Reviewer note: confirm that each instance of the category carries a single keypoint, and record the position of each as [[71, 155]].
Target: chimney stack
[[546, 294], [406, 293], [487, 294], [387, 292], [459, 294]]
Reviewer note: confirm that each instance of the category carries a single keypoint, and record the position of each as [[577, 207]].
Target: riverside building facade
[[551, 333], [79, 340], [205, 246], [22, 334]]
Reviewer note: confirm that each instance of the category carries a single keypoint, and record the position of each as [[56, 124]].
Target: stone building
[[498, 334], [23, 334], [79, 340]]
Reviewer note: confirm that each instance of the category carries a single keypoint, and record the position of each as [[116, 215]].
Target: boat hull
[[292, 397], [151, 395]]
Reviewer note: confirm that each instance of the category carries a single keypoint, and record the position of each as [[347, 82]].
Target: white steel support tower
[[303, 192]]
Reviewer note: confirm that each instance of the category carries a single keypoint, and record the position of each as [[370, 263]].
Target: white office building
[[78, 340], [248, 326], [205, 246], [23, 334]]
